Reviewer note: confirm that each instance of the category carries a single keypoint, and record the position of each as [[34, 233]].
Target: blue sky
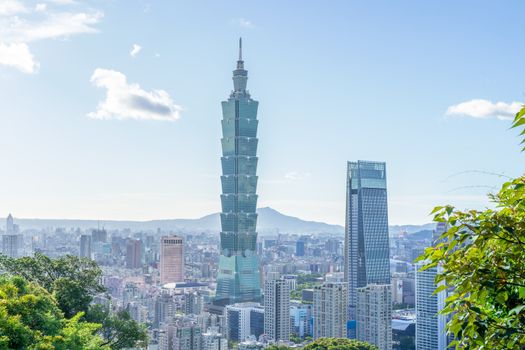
[[91, 131]]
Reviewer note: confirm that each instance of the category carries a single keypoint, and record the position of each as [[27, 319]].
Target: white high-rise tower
[[277, 309], [430, 325]]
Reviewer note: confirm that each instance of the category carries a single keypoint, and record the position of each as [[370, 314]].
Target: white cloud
[[129, 101], [243, 22], [19, 57], [135, 50], [62, 2], [483, 109], [296, 175], [21, 25], [11, 7], [56, 25], [40, 7]]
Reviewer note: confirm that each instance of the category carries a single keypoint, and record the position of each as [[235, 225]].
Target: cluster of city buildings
[[202, 291]]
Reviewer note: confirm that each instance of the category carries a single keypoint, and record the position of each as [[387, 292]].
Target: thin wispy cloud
[[11, 7], [40, 7], [296, 175], [135, 50], [129, 101], [55, 25], [62, 2], [21, 25], [244, 23], [485, 109], [291, 176]]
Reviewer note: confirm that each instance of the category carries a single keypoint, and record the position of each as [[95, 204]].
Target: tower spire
[[240, 62], [240, 49]]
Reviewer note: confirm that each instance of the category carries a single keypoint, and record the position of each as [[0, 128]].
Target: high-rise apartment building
[[213, 340], [193, 303], [182, 333], [244, 320], [330, 310], [366, 237], [430, 325], [257, 321], [99, 235], [133, 253], [9, 225], [301, 318], [277, 309], [11, 244], [85, 246], [238, 277], [299, 248], [171, 259], [165, 308], [374, 315]]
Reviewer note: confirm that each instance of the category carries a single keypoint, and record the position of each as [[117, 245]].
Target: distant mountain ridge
[[270, 221], [395, 229]]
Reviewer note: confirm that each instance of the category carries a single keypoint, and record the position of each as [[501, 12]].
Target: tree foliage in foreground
[[483, 260], [31, 319], [332, 344], [72, 282], [118, 329]]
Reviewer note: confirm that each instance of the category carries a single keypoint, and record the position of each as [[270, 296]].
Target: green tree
[[79, 335], [118, 329], [332, 344], [73, 282], [482, 256], [305, 281], [71, 296], [31, 319], [295, 338], [308, 278], [277, 347]]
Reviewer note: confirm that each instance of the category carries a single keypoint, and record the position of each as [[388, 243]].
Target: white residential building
[[374, 315], [330, 310], [277, 309]]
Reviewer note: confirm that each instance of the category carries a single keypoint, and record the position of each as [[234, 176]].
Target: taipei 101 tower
[[238, 276]]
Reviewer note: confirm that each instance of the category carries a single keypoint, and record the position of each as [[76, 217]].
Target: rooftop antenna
[[240, 49], [240, 62]]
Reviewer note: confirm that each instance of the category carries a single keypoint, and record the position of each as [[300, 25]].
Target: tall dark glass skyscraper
[[238, 277], [366, 237]]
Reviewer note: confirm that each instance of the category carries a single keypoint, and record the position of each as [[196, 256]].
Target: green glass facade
[[238, 277]]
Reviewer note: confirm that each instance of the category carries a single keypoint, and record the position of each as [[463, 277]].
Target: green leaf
[[502, 297], [440, 289], [521, 292], [517, 309], [436, 209]]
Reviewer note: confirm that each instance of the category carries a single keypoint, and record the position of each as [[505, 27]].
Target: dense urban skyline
[[69, 156], [141, 212]]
